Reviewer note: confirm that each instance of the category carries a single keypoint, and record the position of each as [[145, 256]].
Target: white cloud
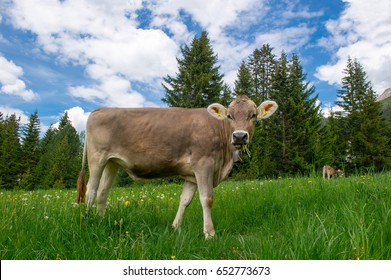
[[105, 38], [221, 18], [7, 111], [363, 31], [111, 90], [10, 80], [215, 17], [100, 36], [78, 118], [328, 108], [332, 73], [233, 52], [287, 39]]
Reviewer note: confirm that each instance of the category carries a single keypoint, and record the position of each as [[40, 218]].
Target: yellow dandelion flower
[[127, 203], [173, 257]]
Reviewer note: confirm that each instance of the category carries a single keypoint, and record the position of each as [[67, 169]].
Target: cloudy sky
[[78, 55]]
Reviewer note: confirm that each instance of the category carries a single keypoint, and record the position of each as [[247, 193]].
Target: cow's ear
[[266, 109], [218, 111]]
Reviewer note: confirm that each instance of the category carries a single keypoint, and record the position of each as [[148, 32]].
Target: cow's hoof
[[209, 236], [175, 227]]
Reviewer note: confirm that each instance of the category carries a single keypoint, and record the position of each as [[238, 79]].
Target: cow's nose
[[240, 137]]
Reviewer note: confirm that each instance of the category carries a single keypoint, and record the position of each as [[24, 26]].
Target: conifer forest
[[297, 140]]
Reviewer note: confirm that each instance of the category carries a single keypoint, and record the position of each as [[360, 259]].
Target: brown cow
[[196, 144], [329, 171]]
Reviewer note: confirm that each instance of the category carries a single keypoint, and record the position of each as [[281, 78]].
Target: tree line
[[297, 139], [30, 162]]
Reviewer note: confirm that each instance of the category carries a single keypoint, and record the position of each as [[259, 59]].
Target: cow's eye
[[254, 116], [229, 116]]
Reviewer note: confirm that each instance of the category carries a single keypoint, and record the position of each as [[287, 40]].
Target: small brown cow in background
[[330, 172]]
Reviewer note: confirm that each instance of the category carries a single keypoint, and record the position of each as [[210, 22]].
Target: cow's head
[[242, 114]]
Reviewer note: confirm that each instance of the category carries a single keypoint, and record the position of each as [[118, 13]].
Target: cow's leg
[[108, 176], [187, 195], [93, 183], [205, 189]]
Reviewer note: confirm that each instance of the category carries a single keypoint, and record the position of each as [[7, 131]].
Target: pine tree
[[64, 122], [2, 132], [30, 137], [10, 151], [291, 136], [372, 144], [261, 65], [61, 160], [306, 129], [279, 157], [365, 129], [2, 136], [330, 147], [288, 142], [47, 138], [31, 153], [227, 95], [45, 154], [243, 83], [198, 83]]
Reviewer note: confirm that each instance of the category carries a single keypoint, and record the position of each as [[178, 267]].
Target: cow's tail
[[81, 181]]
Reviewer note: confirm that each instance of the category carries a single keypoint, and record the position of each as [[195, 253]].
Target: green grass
[[298, 218]]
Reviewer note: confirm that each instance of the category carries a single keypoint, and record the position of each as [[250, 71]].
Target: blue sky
[[78, 55]]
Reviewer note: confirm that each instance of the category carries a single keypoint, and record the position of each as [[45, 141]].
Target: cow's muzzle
[[240, 138]]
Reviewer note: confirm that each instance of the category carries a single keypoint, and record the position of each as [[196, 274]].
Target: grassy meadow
[[292, 218]]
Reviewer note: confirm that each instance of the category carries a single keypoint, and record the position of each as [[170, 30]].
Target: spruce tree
[[10, 151], [61, 160], [365, 129], [45, 154], [288, 142], [47, 138], [31, 153], [330, 149], [279, 157], [261, 65], [306, 129], [2, 135], [198, 83], [227, 95], [243, 83], [372, 144], [292, 134], [254, 66]]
